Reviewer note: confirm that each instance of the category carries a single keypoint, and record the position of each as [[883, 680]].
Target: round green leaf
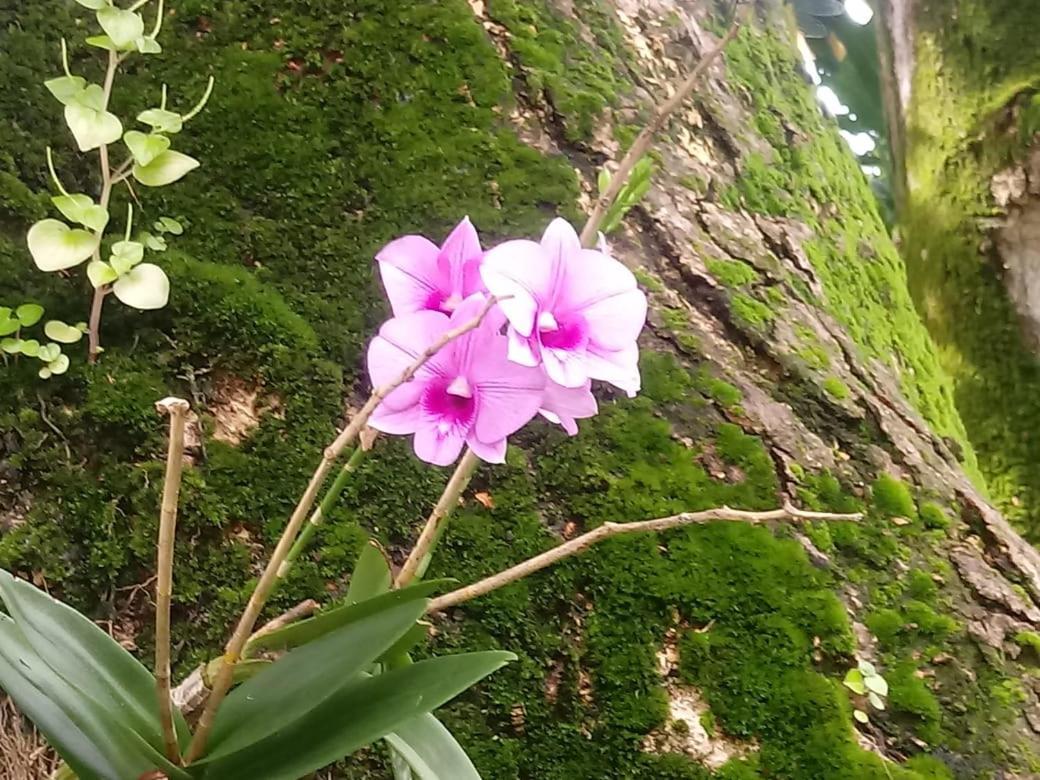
[[101, 273], [146, 286], [49, 353], [152, 242], [148, 46], [161, 120], [876, 684], [854, 682], [44, 373], [56, 330], [867, 668], [876, 701], [169, 225], [59, 365], [102, 42], [92, 128], [55, 246], [861, 716], [121, 26], [82, 210], [30, 348], [29, 314], [11, 346], [165, 169], [66, 88], [93, 4], [130, 252], [145, 147], [9, 325]]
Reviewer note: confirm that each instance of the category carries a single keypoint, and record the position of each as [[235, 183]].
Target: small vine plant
[[115, 263]]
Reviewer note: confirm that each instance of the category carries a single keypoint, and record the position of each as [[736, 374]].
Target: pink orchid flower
[[418, 275], [575, 311], [469, 393], [565, 405]]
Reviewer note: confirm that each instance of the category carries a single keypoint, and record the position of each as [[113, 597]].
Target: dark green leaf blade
[[371, 576], [361, 712], [431, 751], [288, 689]]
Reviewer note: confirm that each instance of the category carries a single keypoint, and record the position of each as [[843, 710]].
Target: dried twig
[[177, 408], [263, 589], [581, 543], [646, 137]]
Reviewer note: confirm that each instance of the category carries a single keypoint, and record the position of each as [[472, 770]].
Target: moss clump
[[921, 586], [836, 388], [751, 312], [1029, 639], [908, 695], [934, 516], [892, 497], [732, 273]]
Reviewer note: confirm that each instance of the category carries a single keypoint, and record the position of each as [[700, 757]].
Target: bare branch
[[581, 543]]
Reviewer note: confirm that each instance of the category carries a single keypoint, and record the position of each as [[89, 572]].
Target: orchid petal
[[561, 244], [441, 448], [398, 422], [521, 273], [619, 367], [523, 351], [566, 367], [489, 453], [459, 260], [410, 273], [400, 342], [606, 294], [564, 405], [508, 394]]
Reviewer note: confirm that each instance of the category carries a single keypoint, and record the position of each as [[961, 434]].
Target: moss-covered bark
[[785, 360]]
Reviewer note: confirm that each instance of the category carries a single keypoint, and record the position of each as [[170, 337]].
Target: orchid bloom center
[[547, 322], [451, 303], [460, 387]]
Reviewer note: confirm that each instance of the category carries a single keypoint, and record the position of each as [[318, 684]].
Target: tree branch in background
[[607, 530]]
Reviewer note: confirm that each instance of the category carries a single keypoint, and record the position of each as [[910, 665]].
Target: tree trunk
[[784, 361]]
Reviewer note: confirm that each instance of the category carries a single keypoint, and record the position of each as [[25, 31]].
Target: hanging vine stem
[[269, 578]]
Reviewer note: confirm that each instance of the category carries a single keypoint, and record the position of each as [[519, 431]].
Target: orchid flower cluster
[[563, 316]]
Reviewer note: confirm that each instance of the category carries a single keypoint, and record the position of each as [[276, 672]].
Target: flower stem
[[419, 558], [318, 515], [177, 408]]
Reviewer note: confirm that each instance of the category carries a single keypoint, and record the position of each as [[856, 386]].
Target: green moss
[[934, 516], [921, 586], [750, 312], [732, 273], [1029, 639], [892, 497], [836, 388], [908, 695], [929, 768]]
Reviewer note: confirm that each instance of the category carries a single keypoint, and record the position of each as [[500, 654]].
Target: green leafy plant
[[635, 188], [870, 688], [115, 266], [16, 343]]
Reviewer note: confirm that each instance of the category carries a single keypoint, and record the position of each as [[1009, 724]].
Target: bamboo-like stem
[[418, 558], [581, 543], [177, 408], [322, 511], [646, 137], [96, 305], [269, 578]]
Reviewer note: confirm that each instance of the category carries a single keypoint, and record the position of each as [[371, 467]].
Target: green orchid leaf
[[121, 26], [166, 168], [91, 127], [55, 246], [29, 314], [82, 210], [86, 657], [288, 689], [66, 88], [145, 147], [161, 120], [371, 576], [101, 273], [431, 751], [363, 710], [144, 287], [304, 631]]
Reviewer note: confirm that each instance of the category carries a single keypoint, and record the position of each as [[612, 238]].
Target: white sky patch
[[808, 60], [871, 170], [830, 100], [860, 143], [859, 11]]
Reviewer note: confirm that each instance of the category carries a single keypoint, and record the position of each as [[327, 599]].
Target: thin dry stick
[[431, 531], [581, 543], [646, 137], [233, 650], [177, 408], [302, 610]]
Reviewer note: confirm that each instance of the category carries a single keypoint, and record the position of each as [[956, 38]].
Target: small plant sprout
[[59, 245], [870, 688], [14, 342], [631, 193]]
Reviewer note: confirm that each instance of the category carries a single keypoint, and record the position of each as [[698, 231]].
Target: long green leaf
[[361, 712], [371, 576], [297, 634], [87, 658], [292, 686], [431, 751], [125, 754]]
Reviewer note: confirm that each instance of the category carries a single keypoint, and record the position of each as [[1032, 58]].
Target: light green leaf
[[92, 128], [861, 716], [11, 346], [59, 365], [876, 684], [44, 373], [130, 252], [55, 246], [854, 682], [30, 347], [101, 42], [121, 26], [56, 330], [49, 353], [86, 658], [603, 180], [93, 4], [66, 88], [82, 210], [286, 691], [876, 701], [148, 46], [867, 669], [101, 273], [153, 243], [145, 147], [358, 713], [29, 314], [145, 287], [161, 120], [169, 225], [371, 576], [165, 169], [431, 751], [304, 631], [92, 96], [9, 325]]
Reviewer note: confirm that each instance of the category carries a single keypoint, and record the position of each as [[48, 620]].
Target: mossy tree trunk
[[784, 360]]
